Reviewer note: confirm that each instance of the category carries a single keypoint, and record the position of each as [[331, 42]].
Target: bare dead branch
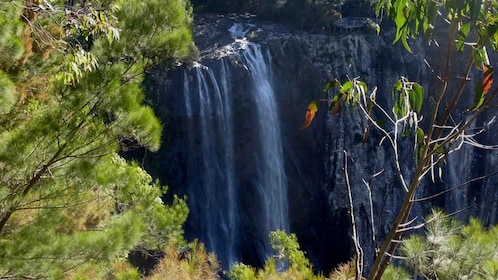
[[359, 250]]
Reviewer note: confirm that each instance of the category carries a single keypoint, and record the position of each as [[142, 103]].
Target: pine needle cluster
[[449, 250], [70, 99]]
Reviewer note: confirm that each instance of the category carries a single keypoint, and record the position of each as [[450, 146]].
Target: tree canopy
[[70, 100], [448, 250]]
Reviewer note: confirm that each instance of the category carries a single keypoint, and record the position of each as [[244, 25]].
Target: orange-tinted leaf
[[336, 108], [487, 80], [310, 114], [483, 88]]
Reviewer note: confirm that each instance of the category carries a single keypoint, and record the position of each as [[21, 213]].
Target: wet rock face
[[302, 64], [314, 158]]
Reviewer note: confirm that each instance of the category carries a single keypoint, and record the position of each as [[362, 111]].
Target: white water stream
[[214, 193]]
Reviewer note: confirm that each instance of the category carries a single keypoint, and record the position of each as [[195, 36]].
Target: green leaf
[[7, 93], [418, 96], [493, 35], [420, 135], [337, 97], [361, 86], [400, 20], [479, 97], [346, 87], [480, 57], [463, 32], [396, 87], [405, 11], [331, 84], [380, 123], [406, 132], [399, 109], [439, 149], [380, 7], [412, 98], [431, 10], [419, 147], [405, 43]]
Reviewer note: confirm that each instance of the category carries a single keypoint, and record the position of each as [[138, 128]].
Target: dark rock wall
[[302, 14], [314, 157]]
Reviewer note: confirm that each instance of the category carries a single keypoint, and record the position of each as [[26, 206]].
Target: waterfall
[[273, 185], [211, 185], [216, 196]]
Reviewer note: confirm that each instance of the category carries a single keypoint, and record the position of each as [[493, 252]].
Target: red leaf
[[310, 114], [483, 88], [487, 80]]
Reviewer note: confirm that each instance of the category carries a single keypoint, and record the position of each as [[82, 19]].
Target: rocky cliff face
[[316, 193]]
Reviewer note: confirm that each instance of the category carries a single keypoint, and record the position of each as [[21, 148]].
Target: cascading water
[[216, 205], [222, 133], [211, 187], [272, 179]]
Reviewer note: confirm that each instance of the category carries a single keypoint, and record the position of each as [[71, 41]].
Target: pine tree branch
[[36, 178], [14, 277], [32, 182]]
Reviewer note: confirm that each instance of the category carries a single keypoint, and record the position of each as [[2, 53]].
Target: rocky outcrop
[[314, 158]]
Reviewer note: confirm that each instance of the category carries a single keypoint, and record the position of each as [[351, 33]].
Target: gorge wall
[[233, 146]]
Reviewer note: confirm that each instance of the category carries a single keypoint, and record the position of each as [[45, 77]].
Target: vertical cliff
[[215, 151]]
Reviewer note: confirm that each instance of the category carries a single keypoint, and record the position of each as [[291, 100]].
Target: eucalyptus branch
[[16, 277], [458, 94], [397, 257], [359, 250], [470, 206], [388, 247], [372, 222], [444, 86], [480, 178], [387, 135]]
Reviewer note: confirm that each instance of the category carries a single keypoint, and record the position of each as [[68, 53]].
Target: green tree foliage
[[158, 35], [71, 98], [187, 262], [11, 48], [449, 250], [289, 262]]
